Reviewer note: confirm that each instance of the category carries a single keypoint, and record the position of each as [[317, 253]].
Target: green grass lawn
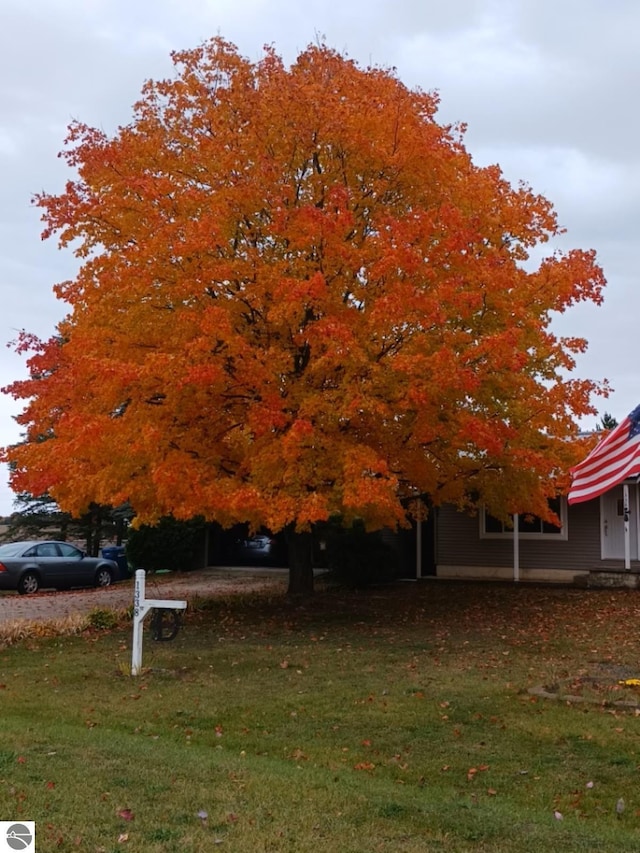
[[397, 719]]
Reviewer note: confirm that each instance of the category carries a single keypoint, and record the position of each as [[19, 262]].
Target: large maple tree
[[298, 297]]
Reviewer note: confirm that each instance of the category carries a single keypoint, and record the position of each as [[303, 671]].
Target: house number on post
[[141, 606]]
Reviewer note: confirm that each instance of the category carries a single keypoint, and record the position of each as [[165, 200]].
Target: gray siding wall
[[459, 542]]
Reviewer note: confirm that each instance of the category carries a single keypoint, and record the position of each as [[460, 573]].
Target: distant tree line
[[40, 517]]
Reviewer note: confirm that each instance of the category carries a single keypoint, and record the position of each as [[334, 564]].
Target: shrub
[[357, 558], [170, 544], [101, 618]]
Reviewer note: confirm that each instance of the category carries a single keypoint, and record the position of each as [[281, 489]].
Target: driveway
[[45, 606]]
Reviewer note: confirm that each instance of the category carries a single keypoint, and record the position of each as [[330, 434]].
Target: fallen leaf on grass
[[558, 815], [126, 814], [471, 772], [364, 765], [123, 837]]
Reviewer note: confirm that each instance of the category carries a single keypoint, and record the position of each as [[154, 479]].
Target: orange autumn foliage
[[298, 297]]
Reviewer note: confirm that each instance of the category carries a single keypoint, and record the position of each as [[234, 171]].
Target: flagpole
[[627, 544]]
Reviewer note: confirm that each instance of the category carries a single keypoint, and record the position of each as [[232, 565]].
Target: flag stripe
[[610, 462], [590, 491], [614, 461]]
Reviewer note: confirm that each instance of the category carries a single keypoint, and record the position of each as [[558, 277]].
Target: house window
[[529, 526]]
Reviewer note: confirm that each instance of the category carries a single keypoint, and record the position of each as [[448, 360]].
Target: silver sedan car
[[30, 566]]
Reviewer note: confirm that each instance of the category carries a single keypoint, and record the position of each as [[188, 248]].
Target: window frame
[[75, 553], [542, 536]]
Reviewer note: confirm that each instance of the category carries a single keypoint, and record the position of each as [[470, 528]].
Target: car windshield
[[11, 549]]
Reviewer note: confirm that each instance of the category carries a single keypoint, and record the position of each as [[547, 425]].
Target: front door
[[612, 524]]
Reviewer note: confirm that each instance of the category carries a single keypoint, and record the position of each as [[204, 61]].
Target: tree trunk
[[119, 530], [299, 547]]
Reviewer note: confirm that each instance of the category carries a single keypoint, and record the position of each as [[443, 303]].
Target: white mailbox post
[[141, 606]]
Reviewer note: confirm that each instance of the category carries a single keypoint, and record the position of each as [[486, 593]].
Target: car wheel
[[103, 577], [28, 583]]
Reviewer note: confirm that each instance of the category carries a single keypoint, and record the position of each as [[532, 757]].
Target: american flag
[[610, 462]]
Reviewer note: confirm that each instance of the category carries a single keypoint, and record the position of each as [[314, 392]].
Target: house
[[588, 547]]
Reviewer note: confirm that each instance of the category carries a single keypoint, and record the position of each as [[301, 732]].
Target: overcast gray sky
[[548, 89]]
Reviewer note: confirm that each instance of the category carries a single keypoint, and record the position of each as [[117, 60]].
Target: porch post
[[516, 548], [636, 518], [627, 544]]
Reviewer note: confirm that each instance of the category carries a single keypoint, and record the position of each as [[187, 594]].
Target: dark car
[[254, 550], [30, 566], [259, 546]]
